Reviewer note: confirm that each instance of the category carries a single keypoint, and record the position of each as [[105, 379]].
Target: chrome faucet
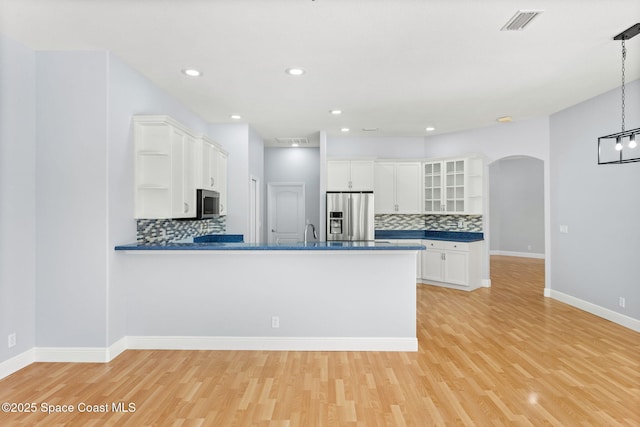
[[313, 229]]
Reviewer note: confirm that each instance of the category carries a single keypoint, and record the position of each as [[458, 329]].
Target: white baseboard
[[16, 363], [81, 354], [486, 283], [103, 355], [518, 254], [615, 317], [272, 343]]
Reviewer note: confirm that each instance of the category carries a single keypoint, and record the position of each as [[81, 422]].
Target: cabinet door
[[454, 185], [433, 187], [209, 166], [222, 180], [178, 208], [384, 188], [432, 268], [338, 175], [189, 176], [362, 175], [407, 188], [183, 191], [456, 268]]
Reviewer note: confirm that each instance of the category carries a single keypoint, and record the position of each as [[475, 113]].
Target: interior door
[[286, 212]]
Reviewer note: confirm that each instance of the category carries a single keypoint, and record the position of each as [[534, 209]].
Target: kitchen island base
[[271, 300]]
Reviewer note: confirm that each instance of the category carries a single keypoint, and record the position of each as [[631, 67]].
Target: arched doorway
[[516, 207]]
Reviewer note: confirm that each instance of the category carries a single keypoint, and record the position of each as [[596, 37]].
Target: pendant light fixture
[[625, 153]]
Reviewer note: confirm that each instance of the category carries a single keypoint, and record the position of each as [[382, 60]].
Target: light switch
[[564, 229]]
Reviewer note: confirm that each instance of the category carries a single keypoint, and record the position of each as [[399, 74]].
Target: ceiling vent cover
[[293, 141], [520, 20]]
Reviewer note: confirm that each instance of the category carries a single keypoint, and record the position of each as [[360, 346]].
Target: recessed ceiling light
[[235, 116], [370, 129], [295, 71], [344, 130], [335, 112], [295, 144], [430, 129], [191, 72], [504, 119]]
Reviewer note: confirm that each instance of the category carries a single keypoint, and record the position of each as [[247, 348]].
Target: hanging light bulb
[[618, 144], [632, 141]]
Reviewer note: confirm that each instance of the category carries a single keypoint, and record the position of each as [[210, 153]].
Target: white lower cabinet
[[451, 263]]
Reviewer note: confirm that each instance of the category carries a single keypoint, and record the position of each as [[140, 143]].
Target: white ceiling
[[395, 65]]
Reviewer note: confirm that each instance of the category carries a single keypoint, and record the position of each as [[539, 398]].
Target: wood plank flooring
[[499, 356]]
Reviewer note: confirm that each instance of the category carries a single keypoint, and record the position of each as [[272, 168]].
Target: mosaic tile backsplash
[[428, 222], [170, 230]]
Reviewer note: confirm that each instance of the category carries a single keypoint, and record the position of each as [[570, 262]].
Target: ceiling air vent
[[520, 20], [295, 142]]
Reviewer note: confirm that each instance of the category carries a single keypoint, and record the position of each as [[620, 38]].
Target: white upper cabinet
[[170, 164], [350, 175], [212, 171], [397, 187], [221, 182], [453, 186], [164, 176]]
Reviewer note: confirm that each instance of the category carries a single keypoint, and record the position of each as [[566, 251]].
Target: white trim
[[273, 343], [117, 348], [104, 355], [613, 316], [16, 363], [81, 354], [547, 292], [486, 283], [72, 354], [518, 254]]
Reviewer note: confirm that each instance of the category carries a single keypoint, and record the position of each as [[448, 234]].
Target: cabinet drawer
[[446, 245]]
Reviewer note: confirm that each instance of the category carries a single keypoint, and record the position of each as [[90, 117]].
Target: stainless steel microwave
[[208, 204]]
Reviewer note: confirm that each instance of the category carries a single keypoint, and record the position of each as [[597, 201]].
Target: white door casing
[[286, 212]]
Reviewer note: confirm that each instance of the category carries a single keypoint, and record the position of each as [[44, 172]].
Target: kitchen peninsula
[[232, 295]]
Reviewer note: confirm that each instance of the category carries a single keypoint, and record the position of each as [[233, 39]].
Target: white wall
[[71, 184], [597, 261], [297, 165], [375, 146], [235, 140], [17, 196], [524, 137], [129, 94]]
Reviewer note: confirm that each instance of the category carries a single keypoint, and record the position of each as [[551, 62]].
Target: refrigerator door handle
[[350, 218]]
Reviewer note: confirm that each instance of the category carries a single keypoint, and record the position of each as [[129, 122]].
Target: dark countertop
[[201, 244], [453, 236]]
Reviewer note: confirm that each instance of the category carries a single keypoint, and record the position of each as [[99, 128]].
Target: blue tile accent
[[453, 236], [219, 238]]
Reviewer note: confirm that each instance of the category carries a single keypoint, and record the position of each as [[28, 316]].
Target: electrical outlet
[[564, 229], [11, 340], [621, 302], [529, 247], [275, 322]]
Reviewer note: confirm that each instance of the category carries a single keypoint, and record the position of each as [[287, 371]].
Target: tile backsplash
[[428, 222], [170, 230]]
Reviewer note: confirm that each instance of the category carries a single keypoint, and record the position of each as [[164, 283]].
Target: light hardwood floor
[[505, 355]]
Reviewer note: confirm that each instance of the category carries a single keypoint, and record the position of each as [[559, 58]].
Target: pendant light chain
[[624, 56]]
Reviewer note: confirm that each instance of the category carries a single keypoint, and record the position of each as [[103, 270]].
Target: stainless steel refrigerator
[[350, 216]]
